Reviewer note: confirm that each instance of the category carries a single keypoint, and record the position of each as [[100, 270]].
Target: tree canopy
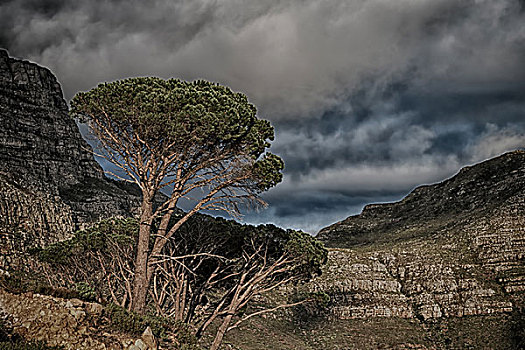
[[165, 126], [195, 140], [210, 273]]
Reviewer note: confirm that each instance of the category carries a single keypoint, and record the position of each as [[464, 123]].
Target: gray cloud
[[369, 98], [294, 59]]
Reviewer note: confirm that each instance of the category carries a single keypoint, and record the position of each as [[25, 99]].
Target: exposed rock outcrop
[[50, 183], [449, 251], [41, 147], [29, 218], [72, 324], [42, 150], [442, 269]]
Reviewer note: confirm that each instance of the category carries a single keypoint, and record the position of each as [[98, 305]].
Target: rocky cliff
[[50, 183], [444, 268], [41, 147], [449, 256]]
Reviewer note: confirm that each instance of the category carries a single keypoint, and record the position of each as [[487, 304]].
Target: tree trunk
[[221, 332], [142, 277]]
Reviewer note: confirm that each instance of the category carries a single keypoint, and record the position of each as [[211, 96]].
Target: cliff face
[[50, 183], [41, 147], [449, 256]]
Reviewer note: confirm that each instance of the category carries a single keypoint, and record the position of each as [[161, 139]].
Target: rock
[[50, 183], [149, 338], [140, 344], [95, 309], [66, 325], [76, 302], [449, 251], [77, 313]]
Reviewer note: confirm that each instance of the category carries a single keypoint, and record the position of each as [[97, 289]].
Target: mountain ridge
[[478, 187]]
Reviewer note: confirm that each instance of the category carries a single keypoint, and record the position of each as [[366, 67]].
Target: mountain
[[447, 262], [50, 183], [444, 268], [475, 192]]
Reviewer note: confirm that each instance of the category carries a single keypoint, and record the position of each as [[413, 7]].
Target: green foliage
[[264, 171], [198, 120], [169, 110], [94, 238], [315, 305], [309, 250], [133, 323], [23, 282], [20, 282], [230, 239], [81, 263], [201, 233], [85, 291]]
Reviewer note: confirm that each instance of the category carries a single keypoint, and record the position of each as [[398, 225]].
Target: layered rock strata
[[29, 218], [50, 183], [471, 224], [447, 252], [442, 269], [42, 150]]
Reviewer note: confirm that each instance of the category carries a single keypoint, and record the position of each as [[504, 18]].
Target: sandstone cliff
[[449, 255], [50, 183]]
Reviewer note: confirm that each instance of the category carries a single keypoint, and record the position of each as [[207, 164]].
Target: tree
[[211, 273], [265, 259], [195, 140]]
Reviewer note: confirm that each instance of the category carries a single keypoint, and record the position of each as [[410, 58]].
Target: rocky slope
[[452, 253], [442, 269], [49, 180], [71, 324], [475, 217]]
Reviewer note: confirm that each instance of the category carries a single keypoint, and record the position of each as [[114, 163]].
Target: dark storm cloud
[[369, 97]]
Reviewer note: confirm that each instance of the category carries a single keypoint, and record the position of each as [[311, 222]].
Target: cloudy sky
[[369, 98]]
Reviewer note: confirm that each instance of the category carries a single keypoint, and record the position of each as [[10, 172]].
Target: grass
[[274, 334]]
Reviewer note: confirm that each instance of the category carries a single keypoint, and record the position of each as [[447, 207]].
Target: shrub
[[164, 328], [85, 291]]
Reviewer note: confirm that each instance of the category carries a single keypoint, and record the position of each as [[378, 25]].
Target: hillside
[[50, 184], [475, 192], [42, 150], [444, 268], [449, 257]]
